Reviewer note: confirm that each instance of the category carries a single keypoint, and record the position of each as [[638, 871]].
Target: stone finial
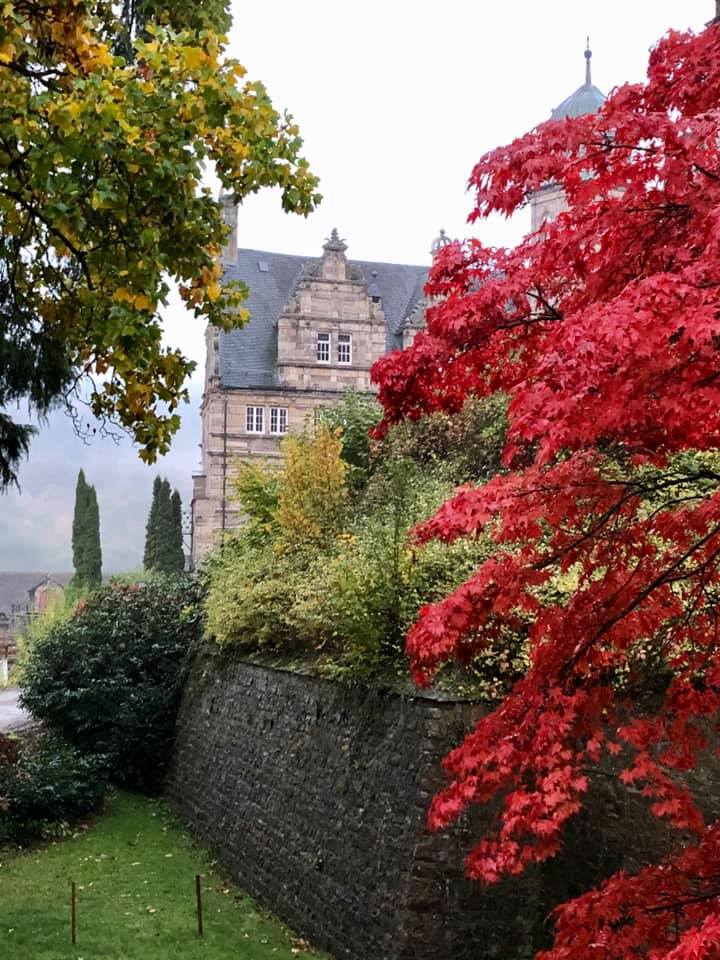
[[333, 265], [442, 240], [588, 57], [335, 243]]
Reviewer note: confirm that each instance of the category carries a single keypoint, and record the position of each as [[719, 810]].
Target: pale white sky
[[395, 101]]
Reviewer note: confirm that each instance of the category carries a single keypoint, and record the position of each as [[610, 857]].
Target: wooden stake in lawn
[[73, 914], [198, 898]]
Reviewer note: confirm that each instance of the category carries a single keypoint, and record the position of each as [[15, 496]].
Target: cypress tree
[[87, 554], [93, 550], [151, 529], [78, 526], [164, 529], [163, 533]]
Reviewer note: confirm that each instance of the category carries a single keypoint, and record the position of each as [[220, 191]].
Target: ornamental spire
[[439, 242], [335, 243], [588, 55]]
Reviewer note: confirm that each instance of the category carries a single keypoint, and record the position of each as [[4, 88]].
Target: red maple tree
[[603, 328]]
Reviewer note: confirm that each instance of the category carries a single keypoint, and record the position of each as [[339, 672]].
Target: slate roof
[[586, 99], [248, 357], [15, 587]]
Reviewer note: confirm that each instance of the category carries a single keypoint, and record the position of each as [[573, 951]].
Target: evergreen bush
[[109, 679], [45, 784]]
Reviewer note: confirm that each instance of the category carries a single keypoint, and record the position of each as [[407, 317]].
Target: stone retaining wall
[[314, 797]]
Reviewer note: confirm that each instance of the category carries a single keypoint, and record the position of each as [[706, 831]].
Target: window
[[278, 419], [344, 348], [254, 417], [323, 348]]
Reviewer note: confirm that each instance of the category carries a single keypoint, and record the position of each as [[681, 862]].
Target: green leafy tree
[[110, 114], [255, 487], [353, 418], [87, 554]]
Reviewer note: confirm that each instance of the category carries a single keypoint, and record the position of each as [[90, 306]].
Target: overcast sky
[[396, 101]]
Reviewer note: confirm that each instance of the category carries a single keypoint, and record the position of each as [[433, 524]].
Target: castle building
[[317, 325]]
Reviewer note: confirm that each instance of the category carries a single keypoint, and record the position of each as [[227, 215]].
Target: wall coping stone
[[312, 666]]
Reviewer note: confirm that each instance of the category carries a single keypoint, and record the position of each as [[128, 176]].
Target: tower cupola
[[586, 99]]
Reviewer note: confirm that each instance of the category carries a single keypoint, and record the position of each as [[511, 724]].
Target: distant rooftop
[[586, 99], [15, 587]]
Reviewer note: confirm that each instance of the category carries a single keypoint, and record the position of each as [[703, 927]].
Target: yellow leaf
[[137, 300], [123, 295], [194, 56], [144, 303]]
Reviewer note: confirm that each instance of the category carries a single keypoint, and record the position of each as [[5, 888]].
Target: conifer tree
[[150, 555], [163, 539], [87, 554], [164, 530]]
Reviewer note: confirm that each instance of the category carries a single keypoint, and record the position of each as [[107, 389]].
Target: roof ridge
[[299, 256]]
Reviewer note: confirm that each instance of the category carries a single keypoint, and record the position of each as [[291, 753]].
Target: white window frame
[[278, 420], [344, 349], [324, 340], [254, 419]]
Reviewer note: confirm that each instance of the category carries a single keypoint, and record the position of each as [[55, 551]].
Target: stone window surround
[[257, 423], [278, 416], [344, 349], [254, 419], [323, 348]]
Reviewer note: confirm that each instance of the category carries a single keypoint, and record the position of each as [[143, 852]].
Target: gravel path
[[12, 715]]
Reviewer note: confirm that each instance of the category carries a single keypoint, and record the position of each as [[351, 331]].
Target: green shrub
[[255, 487], [353, 418], [352, 600], [465, 447], [251, 590], [44, 785], [359, 604], [323, 564], [110, 678]]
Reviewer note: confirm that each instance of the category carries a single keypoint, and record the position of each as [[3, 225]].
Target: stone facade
[[314, 798], [226, 441], [333, 320]]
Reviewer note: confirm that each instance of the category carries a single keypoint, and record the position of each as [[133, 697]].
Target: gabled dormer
[[333, 328]]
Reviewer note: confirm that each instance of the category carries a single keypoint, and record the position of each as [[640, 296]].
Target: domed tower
[[549, 200]]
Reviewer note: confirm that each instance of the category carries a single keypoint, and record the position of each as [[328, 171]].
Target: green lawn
[[135, 873]]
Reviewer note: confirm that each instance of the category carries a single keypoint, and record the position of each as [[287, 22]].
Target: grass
[[135, 873]]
